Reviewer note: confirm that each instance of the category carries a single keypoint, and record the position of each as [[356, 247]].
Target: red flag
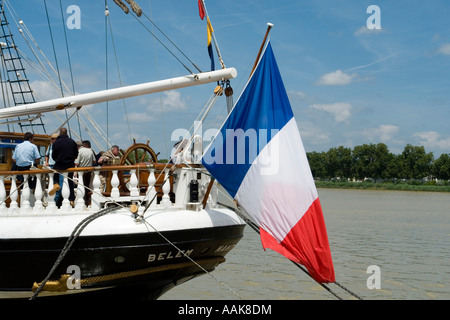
[[201, 9]]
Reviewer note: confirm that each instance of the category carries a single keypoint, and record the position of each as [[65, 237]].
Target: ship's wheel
[[137, 153]]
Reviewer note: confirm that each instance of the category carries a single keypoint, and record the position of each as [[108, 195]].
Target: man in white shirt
[[26, 155], [86, 158]]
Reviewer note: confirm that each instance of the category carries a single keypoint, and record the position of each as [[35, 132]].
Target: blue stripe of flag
[[264, 104]]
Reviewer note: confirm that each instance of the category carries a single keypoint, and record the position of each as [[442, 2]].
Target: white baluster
[[25, 197], [151, 192], [38, 194], [13, 195], [134, 191], [165, 202], [79, 201], [51, 205], [97, 194], [3, 208], [115, 194], [65, 193]]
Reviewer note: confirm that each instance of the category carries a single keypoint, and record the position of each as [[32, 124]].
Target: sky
[[354, 74]]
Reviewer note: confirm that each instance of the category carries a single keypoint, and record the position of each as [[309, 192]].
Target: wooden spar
[[269, 26], [118, 93]]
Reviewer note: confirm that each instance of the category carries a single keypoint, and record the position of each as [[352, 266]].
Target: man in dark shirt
[[65, 151]]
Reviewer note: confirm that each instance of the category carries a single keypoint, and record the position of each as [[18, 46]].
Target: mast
[[80, 100]]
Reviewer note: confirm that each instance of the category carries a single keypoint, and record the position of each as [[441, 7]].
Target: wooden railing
[[124, 184]]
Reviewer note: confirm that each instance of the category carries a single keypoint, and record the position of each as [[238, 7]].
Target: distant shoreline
[[383, 186]]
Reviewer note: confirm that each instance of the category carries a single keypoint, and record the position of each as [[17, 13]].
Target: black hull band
[[145, 261]]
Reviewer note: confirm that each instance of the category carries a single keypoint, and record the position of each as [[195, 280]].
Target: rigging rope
[[5, 91], [68, 58], [118, 70], [154, 24], [192, 260], [106, 75], [53, 46], [166, 47], [54, 53], [25, 32], [137, 12], [161, 105]]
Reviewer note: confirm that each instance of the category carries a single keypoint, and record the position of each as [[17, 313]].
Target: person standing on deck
[[110, 157], [50, 162], [48, 154], [65, 151], [26, 155], [86, 158]]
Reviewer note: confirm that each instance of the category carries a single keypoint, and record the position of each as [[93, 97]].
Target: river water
[[403, 234]]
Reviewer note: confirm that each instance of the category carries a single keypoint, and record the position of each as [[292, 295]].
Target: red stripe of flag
[[307, 244]]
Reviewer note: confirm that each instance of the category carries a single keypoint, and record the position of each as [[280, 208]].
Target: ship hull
[[117, 252], [142, 265]]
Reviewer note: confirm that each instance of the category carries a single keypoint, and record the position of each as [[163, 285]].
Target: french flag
[[259, 158]]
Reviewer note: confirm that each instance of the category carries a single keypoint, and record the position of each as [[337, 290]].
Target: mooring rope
[[70, 241], [188, 257]]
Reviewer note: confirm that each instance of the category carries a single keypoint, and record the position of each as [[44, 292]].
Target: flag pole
[[269, 26], [213, 36]]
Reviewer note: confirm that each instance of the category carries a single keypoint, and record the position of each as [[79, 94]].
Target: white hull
[[122, 221]]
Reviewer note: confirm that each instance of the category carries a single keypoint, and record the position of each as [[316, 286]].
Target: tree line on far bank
[[376, 162]]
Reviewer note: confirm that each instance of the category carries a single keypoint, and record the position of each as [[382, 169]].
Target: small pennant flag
[[210, 49], [201, 9]]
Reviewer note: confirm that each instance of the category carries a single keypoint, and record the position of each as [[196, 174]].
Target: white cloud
[[138, 117], [384, 133], [340, 110], [172, 101], [432, 140], [366, 31], [169, 100], [362, 30], [336, 78], [444, 49], [297, 94], [312, 134], [44, 90]]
